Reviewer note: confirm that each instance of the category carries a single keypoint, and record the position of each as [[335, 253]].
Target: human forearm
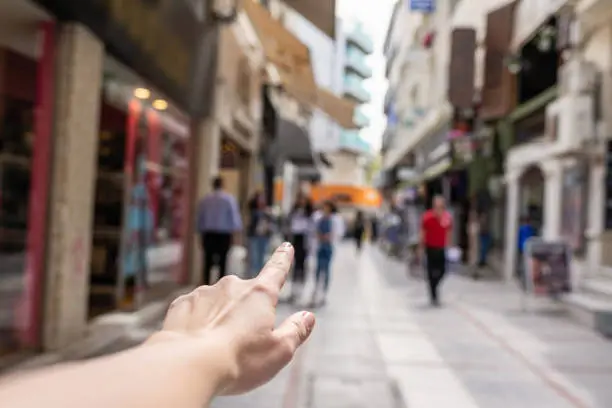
[[154, 375]]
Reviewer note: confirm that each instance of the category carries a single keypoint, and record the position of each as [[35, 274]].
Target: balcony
[[351, 141], [354, 89], [360, 39], [361, 119], [355, 62]]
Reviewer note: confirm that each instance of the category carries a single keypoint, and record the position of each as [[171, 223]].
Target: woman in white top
[[300, 227]]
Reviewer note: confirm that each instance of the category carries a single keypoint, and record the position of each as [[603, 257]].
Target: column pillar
[[553, 180], [207, 156], [512, 224], [595, 217], [78, 95]]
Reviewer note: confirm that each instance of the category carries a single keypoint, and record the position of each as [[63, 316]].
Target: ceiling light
[[142, 93], [160, 104]]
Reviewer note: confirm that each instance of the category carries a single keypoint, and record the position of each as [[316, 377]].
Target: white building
[[417, 51]]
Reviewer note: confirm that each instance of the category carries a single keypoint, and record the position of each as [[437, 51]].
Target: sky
[[375, 15]]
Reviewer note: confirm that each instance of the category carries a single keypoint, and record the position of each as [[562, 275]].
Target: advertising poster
[[548, 267]]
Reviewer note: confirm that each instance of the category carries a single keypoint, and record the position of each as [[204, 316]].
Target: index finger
[[277, 268]]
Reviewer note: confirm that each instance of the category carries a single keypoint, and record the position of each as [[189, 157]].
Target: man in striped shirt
[[218, 221]]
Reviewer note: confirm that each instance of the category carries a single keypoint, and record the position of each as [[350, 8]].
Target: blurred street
[[378, 343]]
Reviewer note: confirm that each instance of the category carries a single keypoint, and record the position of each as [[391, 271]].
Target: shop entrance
[[531, 204], [140, 206], [26, 85]]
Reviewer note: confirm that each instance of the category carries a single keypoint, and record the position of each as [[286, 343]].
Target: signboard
[[423, 6], [547, 267]]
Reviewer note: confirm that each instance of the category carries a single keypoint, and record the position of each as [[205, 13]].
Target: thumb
[[295, 330]]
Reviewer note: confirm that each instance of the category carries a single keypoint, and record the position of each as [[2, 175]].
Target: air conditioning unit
[[577, 77]]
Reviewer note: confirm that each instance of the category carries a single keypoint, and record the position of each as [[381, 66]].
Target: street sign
[[423, 6]]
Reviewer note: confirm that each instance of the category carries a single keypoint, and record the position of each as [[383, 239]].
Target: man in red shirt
[[436, 229]]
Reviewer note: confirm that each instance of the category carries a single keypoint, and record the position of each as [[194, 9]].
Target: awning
[[291, 58], [285, 51], [321, 13], [293, 143], [339, 109]]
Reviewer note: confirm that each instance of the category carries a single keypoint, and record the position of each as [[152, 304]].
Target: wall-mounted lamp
[[224, 11], [160, 104], [142, 93]]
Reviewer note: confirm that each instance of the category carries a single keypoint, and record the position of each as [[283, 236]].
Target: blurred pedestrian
[[300, 227], [525, 232], [219, 222], [374, 228], [436, 230], [259, 231], [359, 229], [325, 228]]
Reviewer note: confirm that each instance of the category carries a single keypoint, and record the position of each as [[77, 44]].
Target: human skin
[[216, 340]]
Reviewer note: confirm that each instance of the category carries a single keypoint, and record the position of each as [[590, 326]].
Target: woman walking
[[300, 225], [326, 229], [259, 232]]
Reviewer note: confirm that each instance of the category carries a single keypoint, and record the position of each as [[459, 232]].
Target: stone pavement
[[378, 344]]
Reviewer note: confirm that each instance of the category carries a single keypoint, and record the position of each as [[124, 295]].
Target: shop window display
[[142, 179], [18, 76]]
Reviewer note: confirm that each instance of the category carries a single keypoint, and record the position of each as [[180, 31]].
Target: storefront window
[[142, 180], [16, 144]]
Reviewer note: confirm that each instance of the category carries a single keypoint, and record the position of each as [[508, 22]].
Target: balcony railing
[[361, 40], [354, 89], [350, 140], [356, 62]]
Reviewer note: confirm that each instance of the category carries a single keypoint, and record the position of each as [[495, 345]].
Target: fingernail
[[309, 320], [286, 245]]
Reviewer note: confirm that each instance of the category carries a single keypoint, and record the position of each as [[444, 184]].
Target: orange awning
[[362, 197]]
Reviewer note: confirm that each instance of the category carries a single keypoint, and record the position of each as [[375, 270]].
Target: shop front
[[27, 59], [140, 205], [131, 95]]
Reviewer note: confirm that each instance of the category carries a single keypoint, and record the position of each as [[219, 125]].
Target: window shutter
[[244, 82], [461, 75], [498, 93]]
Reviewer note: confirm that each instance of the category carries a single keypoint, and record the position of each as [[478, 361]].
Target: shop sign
[[463, 149], [547, 267], [423, 6], [161, 40]]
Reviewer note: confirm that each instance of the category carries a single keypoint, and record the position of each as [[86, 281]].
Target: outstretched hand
[[240, 315]]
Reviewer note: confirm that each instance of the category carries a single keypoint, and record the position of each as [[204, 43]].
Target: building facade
[[111, 130]]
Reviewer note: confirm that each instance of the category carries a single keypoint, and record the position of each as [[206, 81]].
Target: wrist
[[211, 359]]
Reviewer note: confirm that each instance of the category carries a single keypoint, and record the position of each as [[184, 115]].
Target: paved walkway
[[378, 344]]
